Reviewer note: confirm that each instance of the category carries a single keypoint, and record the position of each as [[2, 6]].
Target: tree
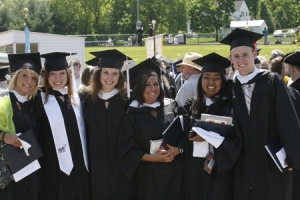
[[265, 14], [211, 15], [253, 7], [12, 16], [280, 18]]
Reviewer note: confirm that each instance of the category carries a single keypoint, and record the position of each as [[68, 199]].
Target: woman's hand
[[197, 138], [174, 150], [12, 139], [164, 155]]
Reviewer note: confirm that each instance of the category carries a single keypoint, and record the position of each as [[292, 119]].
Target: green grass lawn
[[174, 52]]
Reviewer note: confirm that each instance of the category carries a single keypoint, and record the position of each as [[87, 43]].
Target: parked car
[[278, 33], [290, 33]]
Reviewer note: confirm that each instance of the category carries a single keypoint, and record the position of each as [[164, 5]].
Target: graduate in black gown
[[104, 106], [211, 99], [264, 111], [292, 64], [64, 173], [23, 87], [158, 175]]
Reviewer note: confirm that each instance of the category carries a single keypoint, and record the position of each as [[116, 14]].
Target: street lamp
[[26, 14], [153, 23]]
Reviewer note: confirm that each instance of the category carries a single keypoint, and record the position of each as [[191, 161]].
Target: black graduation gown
[[220, 184], [27, 188], [55, 184], [102, 126], [294, 91], [272, 115], [154, 180]]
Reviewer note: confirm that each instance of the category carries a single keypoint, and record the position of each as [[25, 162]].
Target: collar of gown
[[63, 91], [20, 98], [107, 95], [245, 79], [135, 104]]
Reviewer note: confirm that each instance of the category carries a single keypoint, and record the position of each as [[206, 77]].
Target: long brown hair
[[95, 85], [47, 86]]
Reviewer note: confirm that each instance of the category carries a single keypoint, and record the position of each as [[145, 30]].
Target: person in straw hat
[[190, 73]]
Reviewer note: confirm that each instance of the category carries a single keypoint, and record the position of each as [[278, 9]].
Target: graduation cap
[[158, 62], [292, 58], [93, 62], [241, 37], [110, 58], [3, 72], [30, 61], [213, 63], [56, 61], [145, 68], [176, 62], [257, 61]]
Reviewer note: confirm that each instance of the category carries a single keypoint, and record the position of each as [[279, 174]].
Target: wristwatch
[[180, 150]]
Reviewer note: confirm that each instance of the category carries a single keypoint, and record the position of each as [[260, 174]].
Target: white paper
[[155, 145], [281, 155], [200, 149], [25, 146], [213, 138], [29, 169]]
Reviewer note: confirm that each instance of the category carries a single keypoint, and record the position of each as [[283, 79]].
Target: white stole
[[59, 134]]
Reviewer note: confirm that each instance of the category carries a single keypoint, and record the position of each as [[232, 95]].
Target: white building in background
[[241, 19], [241, 11], [13, 41]]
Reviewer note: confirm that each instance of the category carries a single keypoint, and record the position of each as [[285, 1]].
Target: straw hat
[[188, 58]]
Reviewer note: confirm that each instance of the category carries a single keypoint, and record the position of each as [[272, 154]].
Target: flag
[[27, 40], [149, 43]]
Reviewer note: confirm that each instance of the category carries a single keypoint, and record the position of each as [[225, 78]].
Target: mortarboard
[[93, 62], [176, 62], [30, 61], [56, 61], [257, 61], [213, 63], [110, 58], [241, 37], [292, 58], [145, 68], [3, 72]]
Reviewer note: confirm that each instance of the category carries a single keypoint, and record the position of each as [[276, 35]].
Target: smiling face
[[243, 58], [109, 78], [25, 82], [211, 83], [58, 79], [152, 90]]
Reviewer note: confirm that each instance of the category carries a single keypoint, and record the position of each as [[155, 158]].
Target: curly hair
[[95, 85]]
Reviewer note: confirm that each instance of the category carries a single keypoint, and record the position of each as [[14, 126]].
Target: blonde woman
[[20, 118]]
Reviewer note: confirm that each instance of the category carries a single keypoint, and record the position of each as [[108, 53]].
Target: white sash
[[59, 134], [81, 127]]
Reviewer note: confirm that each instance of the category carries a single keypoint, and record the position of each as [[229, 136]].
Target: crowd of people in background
[[101, 131]]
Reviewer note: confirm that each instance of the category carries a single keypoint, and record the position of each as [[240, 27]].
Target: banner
[[149, 43], [27, 40]]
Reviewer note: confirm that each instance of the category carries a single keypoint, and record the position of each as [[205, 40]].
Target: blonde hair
[[13, 83]]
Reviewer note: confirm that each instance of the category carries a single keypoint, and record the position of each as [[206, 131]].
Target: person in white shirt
[[77, 65], [191, 73]]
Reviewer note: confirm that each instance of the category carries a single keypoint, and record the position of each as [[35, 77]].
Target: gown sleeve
[[129, 153], [287, 122]]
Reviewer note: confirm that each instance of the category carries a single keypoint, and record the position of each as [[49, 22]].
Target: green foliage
[[210, 15], [265, 14], [280, 18], [253, 7]]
